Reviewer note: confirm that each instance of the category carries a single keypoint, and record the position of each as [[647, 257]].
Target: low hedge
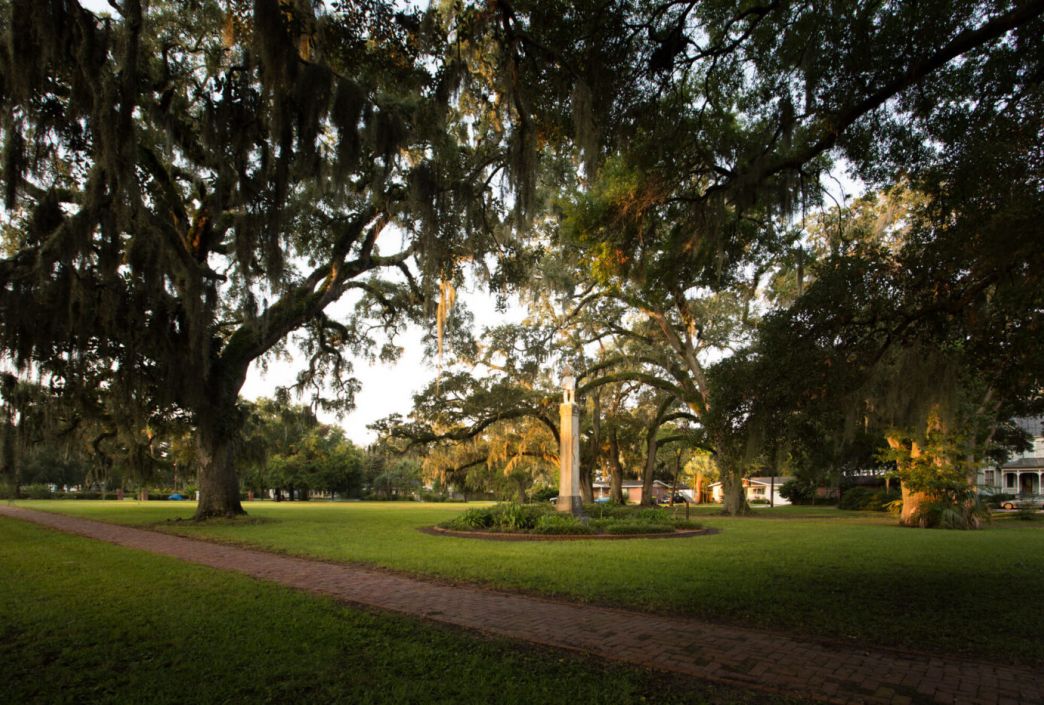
[[542, 519]]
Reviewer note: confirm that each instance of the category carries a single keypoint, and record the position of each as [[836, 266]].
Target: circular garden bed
[[537, 522]]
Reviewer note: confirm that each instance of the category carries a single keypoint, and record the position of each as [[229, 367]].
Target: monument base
[[573, 504]]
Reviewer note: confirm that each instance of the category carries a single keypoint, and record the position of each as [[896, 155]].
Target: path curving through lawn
[[748, 658]]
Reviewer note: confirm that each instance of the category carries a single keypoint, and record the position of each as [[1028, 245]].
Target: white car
[[1026, 501]]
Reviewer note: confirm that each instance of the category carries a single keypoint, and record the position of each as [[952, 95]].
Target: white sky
[[387, 388]]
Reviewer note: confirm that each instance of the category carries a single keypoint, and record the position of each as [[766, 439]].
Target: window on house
[[988, 477], [759, 490], [1010, 480]]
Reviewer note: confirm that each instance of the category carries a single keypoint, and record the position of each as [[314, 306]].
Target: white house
[[1024, 473], [756, 488]]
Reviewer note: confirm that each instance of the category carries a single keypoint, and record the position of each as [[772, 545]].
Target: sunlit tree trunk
[[912, 500]]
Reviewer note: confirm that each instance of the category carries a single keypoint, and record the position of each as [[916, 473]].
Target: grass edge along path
[[86, 621], [819, 572], [741, 658]]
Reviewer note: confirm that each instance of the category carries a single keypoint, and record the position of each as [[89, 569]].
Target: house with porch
[[1023, 474]]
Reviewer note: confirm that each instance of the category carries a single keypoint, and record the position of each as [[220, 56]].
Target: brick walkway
[[734, 656]]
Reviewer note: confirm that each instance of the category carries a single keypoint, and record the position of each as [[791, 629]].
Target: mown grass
[[813, 571], [83, 621]]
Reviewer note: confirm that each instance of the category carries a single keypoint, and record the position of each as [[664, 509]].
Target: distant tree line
[[285, 453]]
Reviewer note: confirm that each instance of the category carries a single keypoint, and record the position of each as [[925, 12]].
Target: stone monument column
[[569, 499]]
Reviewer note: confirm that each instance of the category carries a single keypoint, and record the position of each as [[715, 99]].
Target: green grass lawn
[[807, 570], [86, 622]]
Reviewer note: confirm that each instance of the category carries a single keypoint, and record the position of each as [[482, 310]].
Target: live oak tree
[[731, 114], [918, 338], [187, 186], [920, 335], [285, 448], [701, 132]]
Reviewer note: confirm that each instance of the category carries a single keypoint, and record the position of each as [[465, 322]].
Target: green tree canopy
[[185, 189]]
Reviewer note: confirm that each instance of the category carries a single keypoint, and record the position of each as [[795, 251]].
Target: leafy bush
[[560, 524], [37, 491], [956, 509], [868, 499], [882, 500], [511, 516], [760, 500], [478, 518], [798, 491], [602, 511], [543, 494], [855, 498], [894, 507], [623, 511], [651, 514], [542, 519]]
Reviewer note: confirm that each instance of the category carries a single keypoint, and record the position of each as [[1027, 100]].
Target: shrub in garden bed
[[561, 524], [619, 511], [500, 517], [542, 519]]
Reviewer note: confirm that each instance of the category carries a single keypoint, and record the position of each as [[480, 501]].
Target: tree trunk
[[218, 484], [677, 472], [590, 460], [521, 490], [9, 460], [912, 502], [615, 471], [734, 502], [651, 444], [586, 484]]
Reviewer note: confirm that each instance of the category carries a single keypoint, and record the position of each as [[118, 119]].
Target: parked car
[[176, 497], [678, 499], [1020, 502]]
